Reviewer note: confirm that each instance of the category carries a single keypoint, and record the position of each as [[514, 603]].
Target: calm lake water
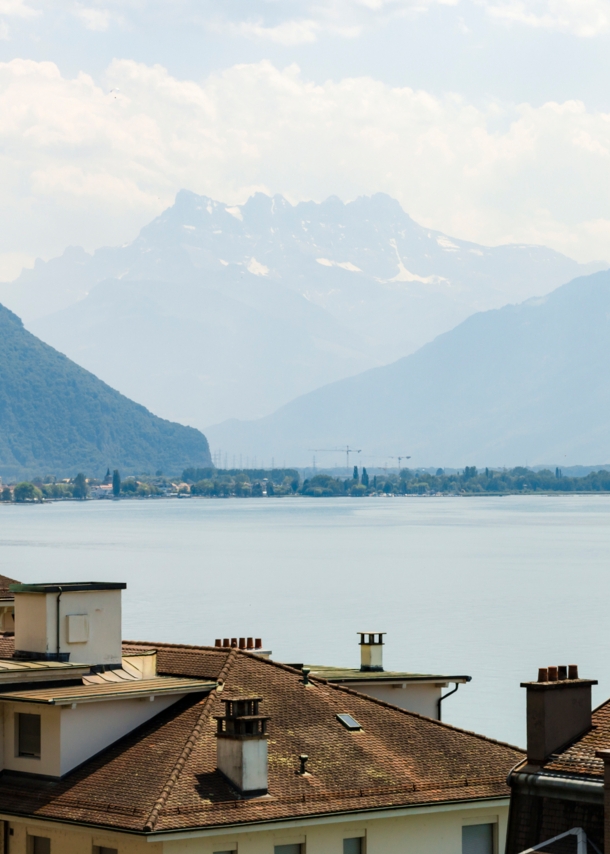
[[490, 587]]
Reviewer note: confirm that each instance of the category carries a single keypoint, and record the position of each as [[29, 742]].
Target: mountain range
[[57, 418], [524, 384], [217, 311]]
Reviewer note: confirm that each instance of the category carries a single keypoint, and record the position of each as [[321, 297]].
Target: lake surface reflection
[[490, 587]]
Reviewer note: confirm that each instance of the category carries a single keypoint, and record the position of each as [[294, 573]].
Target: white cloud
[[93, 18], [286, 33], [583, 18], [81, 166], [16, 9]]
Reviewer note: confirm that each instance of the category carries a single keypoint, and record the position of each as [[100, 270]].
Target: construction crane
[[345, 450], [404, 457]]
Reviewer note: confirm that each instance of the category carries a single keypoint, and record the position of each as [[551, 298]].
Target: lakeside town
[[259, 483]]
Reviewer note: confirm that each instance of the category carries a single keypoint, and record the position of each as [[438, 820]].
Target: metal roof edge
[[67, 587]]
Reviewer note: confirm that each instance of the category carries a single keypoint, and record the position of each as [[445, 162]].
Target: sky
[[487, 119]]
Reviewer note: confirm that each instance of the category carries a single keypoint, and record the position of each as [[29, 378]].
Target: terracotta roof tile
[[7, 645], [5, 593], [579, 758], [163, 776]]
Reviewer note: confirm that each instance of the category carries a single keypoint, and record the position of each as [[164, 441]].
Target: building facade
[[111, 747]]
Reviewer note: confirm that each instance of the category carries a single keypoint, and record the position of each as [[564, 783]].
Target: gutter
[[449, 693], [315, 819], [60, 591], [587, 790]]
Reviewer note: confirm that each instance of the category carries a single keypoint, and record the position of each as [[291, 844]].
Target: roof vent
[[371, 650], [241, 746]]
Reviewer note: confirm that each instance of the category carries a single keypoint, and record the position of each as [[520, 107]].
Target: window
[[38, 844], [297, 848], [101, 849], [355, 845], [28, 738], [478, 839], [349, 722]]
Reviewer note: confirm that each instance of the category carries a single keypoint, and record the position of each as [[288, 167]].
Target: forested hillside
[[56, 417]]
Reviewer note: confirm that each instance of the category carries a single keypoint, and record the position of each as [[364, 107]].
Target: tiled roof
[[579, 758], [163, 776], [5, 593], [7, 645]]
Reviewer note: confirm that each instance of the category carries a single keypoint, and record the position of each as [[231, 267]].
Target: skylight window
[[349, 722]]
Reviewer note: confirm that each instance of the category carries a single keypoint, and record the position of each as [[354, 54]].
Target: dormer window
[[28, 735]]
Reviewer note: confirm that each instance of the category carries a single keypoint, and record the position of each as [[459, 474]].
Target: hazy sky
[[488, 119]]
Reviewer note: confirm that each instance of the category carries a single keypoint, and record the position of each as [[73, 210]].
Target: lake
[[490, 587]]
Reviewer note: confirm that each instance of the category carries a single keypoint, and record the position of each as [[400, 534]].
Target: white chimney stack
[[241, 746], [371, 651]]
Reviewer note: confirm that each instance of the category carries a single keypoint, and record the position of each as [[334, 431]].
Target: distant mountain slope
[[56, 418], [217, 311], [524, 384]]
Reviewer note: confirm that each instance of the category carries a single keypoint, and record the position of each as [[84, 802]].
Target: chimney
[[558, 710], [371, 651], [241, 746], [254, 645]]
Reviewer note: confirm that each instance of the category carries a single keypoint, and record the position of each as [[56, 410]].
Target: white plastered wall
[[69, 735], [91, 727], [416, 697], [31, 629], [49, 762], [36, 624], [437, 832], [66, 839], [434, 833]]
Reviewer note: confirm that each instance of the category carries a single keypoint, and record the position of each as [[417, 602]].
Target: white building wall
[[31, 629], [438, 831], [36, 624], [435, 833], [49, 761], [70, 736], [91, 727], [420, 698]]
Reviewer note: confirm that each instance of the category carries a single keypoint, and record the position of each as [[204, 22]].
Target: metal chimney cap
[[374, 638]]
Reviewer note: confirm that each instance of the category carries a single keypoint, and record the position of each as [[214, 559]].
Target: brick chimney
[[558, 710], [241, 746], [371, 651]]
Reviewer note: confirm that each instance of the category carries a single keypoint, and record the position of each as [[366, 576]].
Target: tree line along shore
[[259, 483]]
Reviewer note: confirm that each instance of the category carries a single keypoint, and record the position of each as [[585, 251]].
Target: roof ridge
[[249, 652], [185, 753], [386, 705]]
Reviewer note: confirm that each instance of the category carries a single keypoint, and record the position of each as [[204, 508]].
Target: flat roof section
[[347, 674], [69, 694], [68, 587]]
